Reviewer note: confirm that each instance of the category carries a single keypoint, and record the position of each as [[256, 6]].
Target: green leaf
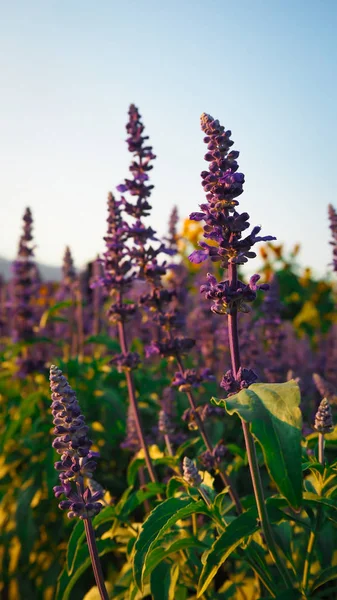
[[138, 497], [82, 562], [136, 463], [327, 575], [53, 309], [160, 520], [159, 553], [160, 581], [108, 513], [272, 409], [75, 541], [235, 533]]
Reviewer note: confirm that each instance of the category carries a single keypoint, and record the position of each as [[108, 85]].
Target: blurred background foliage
[[33, 531]]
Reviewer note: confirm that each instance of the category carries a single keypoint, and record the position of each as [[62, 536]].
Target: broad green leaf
[[53, 309], [75, 541], [108, 513], [327, 575], [159, 553], [160, 581], [138, 498], [163, 581], [160, 520], [136, 463], [82, 562], [272, 410], [243, 526]]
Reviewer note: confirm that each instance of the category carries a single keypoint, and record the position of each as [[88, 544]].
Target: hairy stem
[[96, 563], [321, 448], [313, 533], [134, 405], [250, 445], [224, 477]]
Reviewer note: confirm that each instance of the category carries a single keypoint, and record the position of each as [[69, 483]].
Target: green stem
[[234, 346], [224, 477], [261, 506], [313, 533], [308, 557], [96, 563], [321, 448]]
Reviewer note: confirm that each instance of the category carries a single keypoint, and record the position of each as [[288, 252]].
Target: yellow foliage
[[94, 594], [36, 498], [153, 451], [192, 231], [98, 393], [13, 592], [48, 593], [97, 426], [207, 478], [308, 314], [14, 554], [90, 374], [294, 297]]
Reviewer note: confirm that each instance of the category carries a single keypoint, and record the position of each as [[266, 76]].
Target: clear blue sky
[[70, 68]]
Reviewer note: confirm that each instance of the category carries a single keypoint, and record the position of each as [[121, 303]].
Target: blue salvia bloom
[[323, 417], [275, 363], [65, 290], [190, 472], [333, 226], [223, 224], [223, 184], [74, 446], [23, 285]]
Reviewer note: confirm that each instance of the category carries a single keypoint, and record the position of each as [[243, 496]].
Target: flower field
[[166, 421]]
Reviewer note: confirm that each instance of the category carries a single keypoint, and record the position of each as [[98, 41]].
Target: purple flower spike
[[73, 444], [333, 226], [224, 226]]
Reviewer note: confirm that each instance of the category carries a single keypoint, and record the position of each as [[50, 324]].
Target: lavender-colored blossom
[[172, 236], [24, 284], [211, 460], [323, 417], [333, 226], [244, 378], [223, 184], [190, 473], [191, 378], [224, 297], [275, 363], [325, 388], [74, 446], [131, 441], [165, 425]]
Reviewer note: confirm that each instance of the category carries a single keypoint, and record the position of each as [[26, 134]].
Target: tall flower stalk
[[117, 279], [77, 463], [145, 254], [224, 227]]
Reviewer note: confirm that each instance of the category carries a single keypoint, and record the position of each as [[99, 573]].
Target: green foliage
[[275, 421], [234, 534]]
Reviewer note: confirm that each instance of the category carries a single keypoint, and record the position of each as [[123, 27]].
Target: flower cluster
[[223, 184], [190, 473], [225, 298], [323, 417], [333, 226], [73, 444], [24, 285], [191, 378], [244, 378], [210, 460]]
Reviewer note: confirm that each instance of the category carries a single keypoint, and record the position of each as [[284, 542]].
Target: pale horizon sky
[[69, 71]]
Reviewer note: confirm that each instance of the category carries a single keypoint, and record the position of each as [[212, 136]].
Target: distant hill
[[48, 273]]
